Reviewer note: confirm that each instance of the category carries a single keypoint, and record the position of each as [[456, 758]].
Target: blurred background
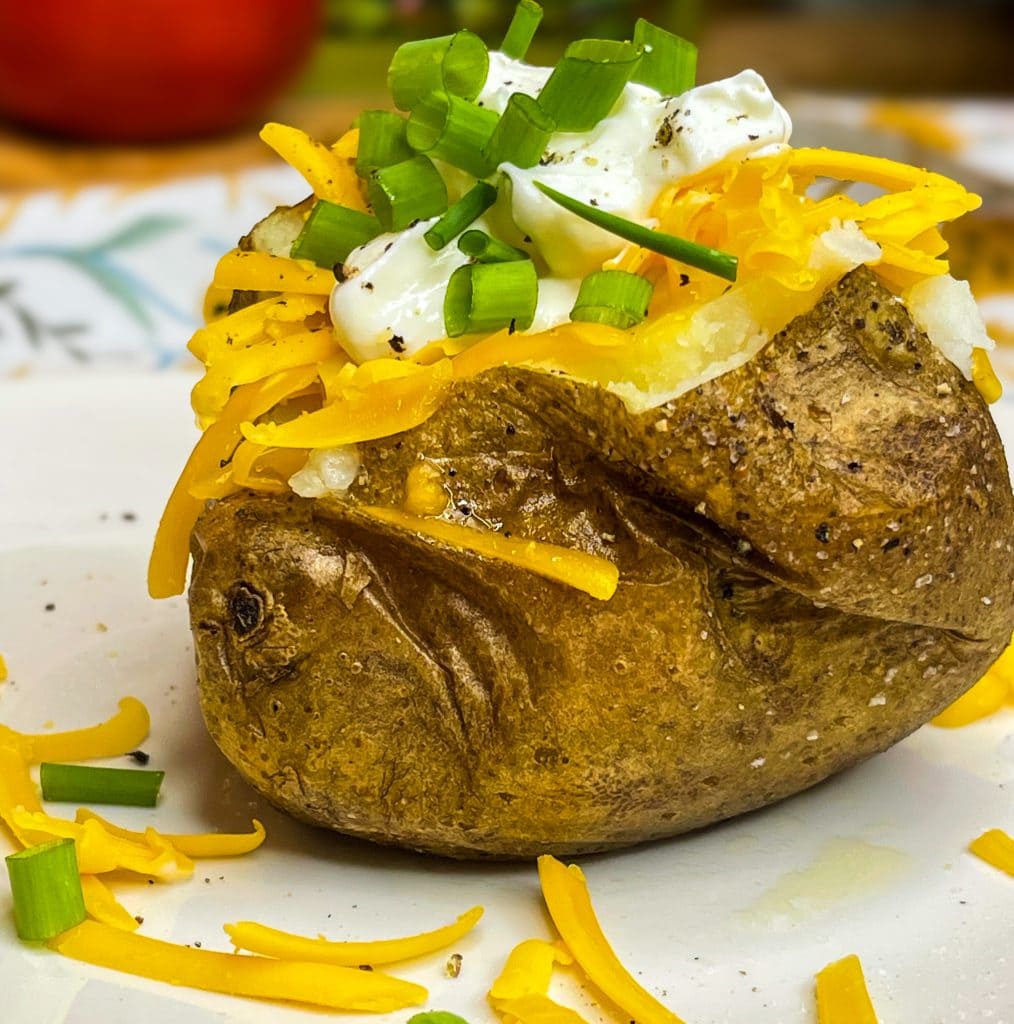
[[129, 159]]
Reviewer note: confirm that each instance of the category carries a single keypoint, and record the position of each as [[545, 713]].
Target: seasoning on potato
[[712, 504]]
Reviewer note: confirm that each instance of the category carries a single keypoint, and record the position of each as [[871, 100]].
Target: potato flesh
[[381, 684]]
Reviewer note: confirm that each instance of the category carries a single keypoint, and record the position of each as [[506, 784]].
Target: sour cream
[[395, 285]]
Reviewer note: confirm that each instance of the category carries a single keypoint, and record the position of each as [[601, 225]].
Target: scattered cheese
[[258, 938], [995, 847], [841, 994], [987, 696], [199, 845], [330, 173], [262, 272], [339, 988], [569, 904]]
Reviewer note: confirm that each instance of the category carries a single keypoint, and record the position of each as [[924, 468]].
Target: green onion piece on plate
[[613, 297], [669, 64], [331, 232], [587, 82], [522, 133], [456, 64], [406, 192], [382, 141], [46, 889], [714, 261], [488, 296], [474, 203], [454, 130], [436, 1017], [485, 249], [84, 784], [521, 30]]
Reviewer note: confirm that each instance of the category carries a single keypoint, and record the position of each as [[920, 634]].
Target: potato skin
[[379, 683]]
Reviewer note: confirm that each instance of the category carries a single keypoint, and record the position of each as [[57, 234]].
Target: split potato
[[814, 554]]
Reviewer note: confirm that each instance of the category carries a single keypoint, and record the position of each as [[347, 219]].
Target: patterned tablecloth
[[111, 273]]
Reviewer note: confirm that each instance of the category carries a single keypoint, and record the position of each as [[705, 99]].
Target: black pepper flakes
[[890, 544], [139, 756], [397, 342], [823, 533], [50, 607], [859, 323], [684, 280], [511, 430]]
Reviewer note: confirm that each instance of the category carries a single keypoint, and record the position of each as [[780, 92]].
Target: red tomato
[[147, 70]]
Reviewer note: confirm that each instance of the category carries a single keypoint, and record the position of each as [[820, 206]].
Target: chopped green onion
[[485, 249], [331, 232], [454, 130], [714, 261], [475, 202], [406, 192], [84, 784], [436, 1017], [456, 64], [613, 297], [46, 888], [521, 30], [669, 64], [587, 82], [488, 296], [522, 133], [382, 141]]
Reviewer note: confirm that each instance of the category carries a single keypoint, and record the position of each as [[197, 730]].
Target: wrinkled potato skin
[[804, 544]]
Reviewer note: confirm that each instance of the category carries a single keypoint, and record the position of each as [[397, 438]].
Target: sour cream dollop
[[392, 299]]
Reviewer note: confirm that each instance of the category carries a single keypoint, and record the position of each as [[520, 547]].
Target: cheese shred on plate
[[842, 997]]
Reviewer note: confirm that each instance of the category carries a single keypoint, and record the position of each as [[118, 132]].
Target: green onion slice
[[331, 232], [522, 133], [587, 82], [382, 141], [436, 1017], [84, 784], [46, 888], [406, 192], [454, 130], [456, 64], [488, 296], [669, 64], [613, 297], [714, 261], [486, 249], [521, 30], [474, 203]]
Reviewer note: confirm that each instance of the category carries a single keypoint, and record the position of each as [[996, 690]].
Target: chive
[[436, 1017], [669, 64], [613, 297], [475, 202], [454, 130], [331, 232], [488, 296], [587, 82], [456, 64], [485, 249], [522, 133], [382, 141], [406, 192], [714, 261], [521, 30], [77, 783], [46, 890]]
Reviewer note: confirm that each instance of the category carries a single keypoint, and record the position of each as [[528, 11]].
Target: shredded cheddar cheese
[[103, 906], [520, 992], [258, 938], [987, 696], [261, 272], [124, 732], [995, 847], [325, 985], [3, 669], [841, 994], [594, 575], [330, 172], [569, 904], [198, 846]]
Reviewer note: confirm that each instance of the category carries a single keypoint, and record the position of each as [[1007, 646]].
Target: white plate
[[728, 925]]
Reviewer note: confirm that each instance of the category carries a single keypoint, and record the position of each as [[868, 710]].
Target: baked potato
[[569, 487], [814, 555]]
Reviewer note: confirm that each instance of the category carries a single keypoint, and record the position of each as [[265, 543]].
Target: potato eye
[[246, 609]]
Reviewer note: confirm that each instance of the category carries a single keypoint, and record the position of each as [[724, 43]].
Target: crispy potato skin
[[805, 547]]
